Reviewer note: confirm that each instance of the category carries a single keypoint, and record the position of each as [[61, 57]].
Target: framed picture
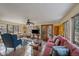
[[10, 28], [16, 28], [3, 28]]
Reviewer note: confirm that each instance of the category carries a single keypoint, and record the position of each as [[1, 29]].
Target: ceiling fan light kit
[[29, 23]]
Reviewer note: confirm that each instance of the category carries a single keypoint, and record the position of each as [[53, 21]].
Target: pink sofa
[[50, 44], [48, 47], [74, 50]]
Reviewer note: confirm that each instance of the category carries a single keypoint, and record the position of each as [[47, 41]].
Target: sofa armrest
[[75, 52], [50, 44]]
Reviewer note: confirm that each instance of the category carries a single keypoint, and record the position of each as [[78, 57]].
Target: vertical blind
[[75, 29], [67, 29]]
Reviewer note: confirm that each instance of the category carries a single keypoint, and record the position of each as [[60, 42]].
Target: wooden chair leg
[[14, 52], [6, 51]]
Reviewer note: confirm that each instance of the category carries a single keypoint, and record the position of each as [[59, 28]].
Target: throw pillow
[[54, 39], [57, 42]]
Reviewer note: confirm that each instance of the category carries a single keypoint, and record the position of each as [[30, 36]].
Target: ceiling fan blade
[[28, 23], [32, 23]]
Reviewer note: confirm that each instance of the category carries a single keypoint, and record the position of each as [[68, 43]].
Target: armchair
[[10, 41]]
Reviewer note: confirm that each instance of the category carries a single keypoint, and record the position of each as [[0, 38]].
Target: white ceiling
[[38, 13]]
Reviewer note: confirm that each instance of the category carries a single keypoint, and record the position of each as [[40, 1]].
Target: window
[[67, 29], [3, 28], [75, 29]]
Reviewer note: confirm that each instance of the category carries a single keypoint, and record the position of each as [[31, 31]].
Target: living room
[[46, 29]]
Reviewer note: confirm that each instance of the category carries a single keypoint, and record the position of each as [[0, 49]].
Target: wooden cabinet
[[56, 30], [46, 30], [59, 29]]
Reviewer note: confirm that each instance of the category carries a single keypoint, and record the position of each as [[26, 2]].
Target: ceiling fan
[[29, 22]]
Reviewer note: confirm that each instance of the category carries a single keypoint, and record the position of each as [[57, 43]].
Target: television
[[35, 31]]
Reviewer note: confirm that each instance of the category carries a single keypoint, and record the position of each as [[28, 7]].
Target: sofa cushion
[[50, 40], [69, 45], [62, 40], [47, 51], [75, 52], [57, 42], [54, 39]]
